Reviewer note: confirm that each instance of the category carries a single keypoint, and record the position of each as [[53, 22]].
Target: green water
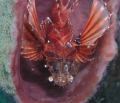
[[5, 97]]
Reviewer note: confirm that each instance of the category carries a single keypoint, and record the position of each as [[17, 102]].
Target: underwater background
[[109, 90]]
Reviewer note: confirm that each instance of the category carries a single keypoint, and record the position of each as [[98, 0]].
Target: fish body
[[53, 38]]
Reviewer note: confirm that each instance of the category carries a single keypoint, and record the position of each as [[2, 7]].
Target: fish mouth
[[31, 78]]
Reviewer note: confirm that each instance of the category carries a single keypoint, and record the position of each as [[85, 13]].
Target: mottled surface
[[6, 44]]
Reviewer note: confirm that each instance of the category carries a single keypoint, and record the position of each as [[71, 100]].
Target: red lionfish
[[57, 46]]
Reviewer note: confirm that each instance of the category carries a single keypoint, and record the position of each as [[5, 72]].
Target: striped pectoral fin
[[33, 36], [98, 22], [84, 53], [32, 50], [31, 46], [31, 15], [32, 56], [31, 18]]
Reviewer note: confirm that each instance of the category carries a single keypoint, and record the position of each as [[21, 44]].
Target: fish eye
[[66, 67], [55, 67]]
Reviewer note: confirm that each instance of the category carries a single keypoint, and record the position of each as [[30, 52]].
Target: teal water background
[[5, 97]]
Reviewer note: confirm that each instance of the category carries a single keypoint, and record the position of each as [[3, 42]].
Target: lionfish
[[53, 38]]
